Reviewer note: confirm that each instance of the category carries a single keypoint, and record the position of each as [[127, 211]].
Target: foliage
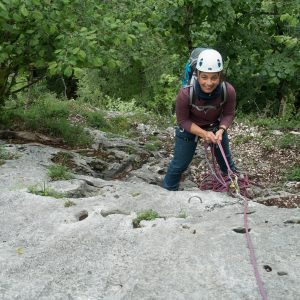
[[69, 203], [63, 158], [154, 146], [59, 172], [44, 191], [165, 95], [270, 123], [128, 55], [61, 37], [147, 215], [5, 154], [242, 139], [289, 140], [182, 214], [51, 116], [263, 55], [293, 174]]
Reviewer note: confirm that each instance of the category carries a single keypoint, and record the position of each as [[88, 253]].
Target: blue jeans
[[185, 146]]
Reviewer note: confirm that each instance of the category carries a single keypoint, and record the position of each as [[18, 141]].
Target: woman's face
[[208, 81]]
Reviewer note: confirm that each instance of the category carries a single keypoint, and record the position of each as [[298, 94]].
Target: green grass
[[67, 119], [63, 158], [242, 139], [147, 215], [59, 172], [182, 214], [155, 146], [5, 155], [289, 140], [48, 116], [69, 203], [270, 123], [293, 174], [44, 191]]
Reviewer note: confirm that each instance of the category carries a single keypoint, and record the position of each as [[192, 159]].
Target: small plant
[[5, 154], [289, 141], [63, 158], [130, 150], [147, 215], [153, 146], [267, 145], [135, 194], [242, 139], [59, 172], [69, 203], [182, 214], [44, 191], [293, 174]]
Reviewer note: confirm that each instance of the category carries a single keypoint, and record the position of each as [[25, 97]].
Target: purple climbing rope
[[236, 184]]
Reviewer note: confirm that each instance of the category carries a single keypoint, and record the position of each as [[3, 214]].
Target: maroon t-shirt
[[187, 115]]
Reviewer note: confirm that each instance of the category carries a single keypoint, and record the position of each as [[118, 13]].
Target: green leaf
[[142, 27], [2, 6], [76, 50], [82, 55], [24, 11], [129, 41], [53, 29], [78, 72], [97, 62], [37, 15], [68, 71], [17, 17]]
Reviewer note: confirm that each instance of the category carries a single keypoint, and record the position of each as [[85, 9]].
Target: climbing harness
[[236, 185]]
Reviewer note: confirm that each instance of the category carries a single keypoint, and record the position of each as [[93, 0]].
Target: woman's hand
[[219, 135], [210, 137]]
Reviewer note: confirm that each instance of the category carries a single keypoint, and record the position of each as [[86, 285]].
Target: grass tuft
[[59, 172], [44, 191], [147, 215]]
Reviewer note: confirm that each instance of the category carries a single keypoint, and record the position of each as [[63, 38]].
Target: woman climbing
[[207, 117]]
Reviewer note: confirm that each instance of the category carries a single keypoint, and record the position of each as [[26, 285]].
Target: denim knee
[[185, 146]]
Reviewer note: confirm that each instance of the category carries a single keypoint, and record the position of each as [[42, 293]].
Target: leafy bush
[[165, 96], [97, 120]]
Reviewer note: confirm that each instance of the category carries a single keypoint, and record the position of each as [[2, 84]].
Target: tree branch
[[28, 85]]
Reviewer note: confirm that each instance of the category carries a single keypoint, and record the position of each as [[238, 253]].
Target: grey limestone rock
[[91, 250]]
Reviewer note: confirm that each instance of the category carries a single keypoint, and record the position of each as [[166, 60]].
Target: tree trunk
[[4, 74]]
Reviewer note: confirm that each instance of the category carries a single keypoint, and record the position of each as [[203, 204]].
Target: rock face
[[194, 249]]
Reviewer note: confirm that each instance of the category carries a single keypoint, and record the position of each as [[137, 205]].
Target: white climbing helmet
[[210, 61]]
